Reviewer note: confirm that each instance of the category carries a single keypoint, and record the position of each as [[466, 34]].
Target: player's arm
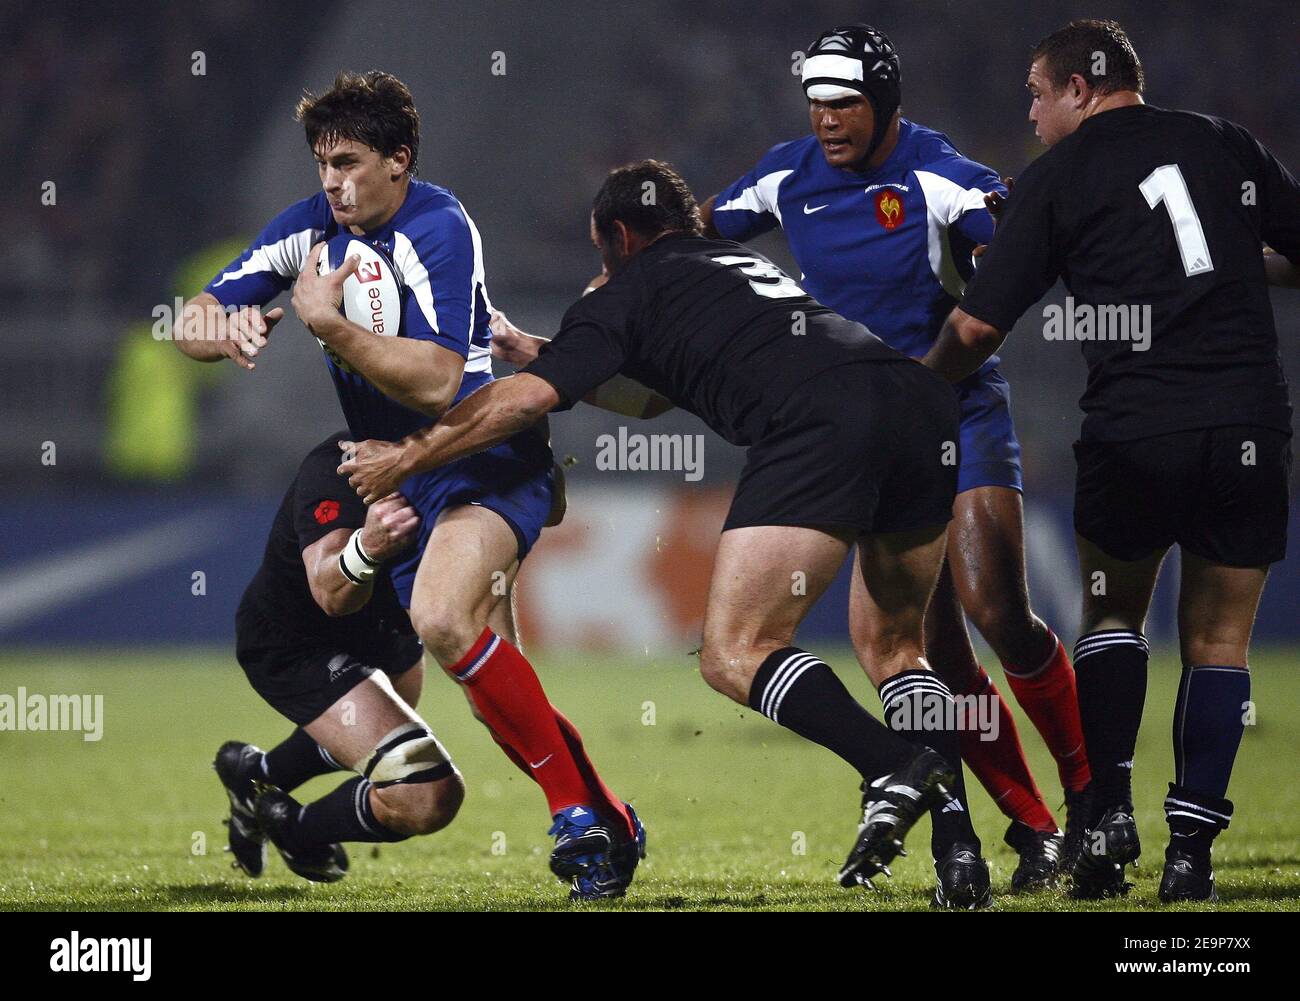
[[619, 394], [206, 332], [746, 208], [706, 217], [226, 319], [419, 374], [485, 418], [1280, 270], [341, 566], [963, 345], [1019, 265], [593, 344]]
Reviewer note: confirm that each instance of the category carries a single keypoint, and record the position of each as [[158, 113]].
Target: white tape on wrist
[[355, 563]]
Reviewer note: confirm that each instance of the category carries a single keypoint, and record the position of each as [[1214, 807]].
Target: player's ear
[[622, 239], [400, 161]]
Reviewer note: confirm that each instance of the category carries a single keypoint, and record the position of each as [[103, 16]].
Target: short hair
[[373, 108], [1099, 51], [648, 196]]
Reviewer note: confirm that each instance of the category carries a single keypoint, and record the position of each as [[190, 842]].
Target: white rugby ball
[[372, 295]]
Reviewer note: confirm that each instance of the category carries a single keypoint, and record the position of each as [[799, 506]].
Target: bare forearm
[[333, 591], [200, 328], [483, 419], [1281, 270], [401, 368], [963, 345]]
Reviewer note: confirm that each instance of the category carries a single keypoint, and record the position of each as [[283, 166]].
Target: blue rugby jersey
[[890, 248], [438, 254]]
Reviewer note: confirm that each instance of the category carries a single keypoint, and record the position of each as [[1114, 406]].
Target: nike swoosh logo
[[542, 762], [808, 211]]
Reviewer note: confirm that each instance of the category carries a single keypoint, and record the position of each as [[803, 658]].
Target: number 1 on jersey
[[1166, 184]]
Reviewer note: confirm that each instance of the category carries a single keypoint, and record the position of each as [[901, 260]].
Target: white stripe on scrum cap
[[834, 67]]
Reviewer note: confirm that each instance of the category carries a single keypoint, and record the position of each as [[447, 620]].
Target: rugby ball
[[372, 295]]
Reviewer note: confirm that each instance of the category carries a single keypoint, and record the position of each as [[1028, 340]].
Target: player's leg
[[1216, 614], [765, 578], [987, 553], [996, 757], [467, 566], [1111, 664], [298, 758], [406, 784], [893, 580]]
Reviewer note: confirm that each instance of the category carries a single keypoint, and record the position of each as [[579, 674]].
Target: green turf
[[727, 796]]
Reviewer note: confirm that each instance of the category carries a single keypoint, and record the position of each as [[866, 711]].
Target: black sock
[[1209, 718], [295, 760], [343, 815], [919, 707], [1110, 668], [1195, 819], [795, 689]]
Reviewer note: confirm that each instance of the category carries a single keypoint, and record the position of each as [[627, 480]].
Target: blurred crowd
[[144, 118]]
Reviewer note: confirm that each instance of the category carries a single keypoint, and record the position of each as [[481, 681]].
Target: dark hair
[[1076, 48], [373, 108], [649, 197]]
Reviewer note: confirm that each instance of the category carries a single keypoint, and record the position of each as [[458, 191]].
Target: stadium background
[[123, 558]]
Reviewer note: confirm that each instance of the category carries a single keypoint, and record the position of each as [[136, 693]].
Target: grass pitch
[[741, 814]]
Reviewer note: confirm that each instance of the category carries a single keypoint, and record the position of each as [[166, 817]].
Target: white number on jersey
[[1166, 184], [766, 279]]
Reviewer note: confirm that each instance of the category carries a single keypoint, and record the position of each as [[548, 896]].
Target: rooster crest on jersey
[[372, 296]]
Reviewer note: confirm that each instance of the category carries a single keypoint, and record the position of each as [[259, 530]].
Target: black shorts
[[1221, 493], [870, 446], [300, 678]]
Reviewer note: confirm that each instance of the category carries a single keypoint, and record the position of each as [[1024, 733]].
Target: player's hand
[[246, 332], [511, 344], [391, 524], [995, 202], [316, 298], [373, 468]]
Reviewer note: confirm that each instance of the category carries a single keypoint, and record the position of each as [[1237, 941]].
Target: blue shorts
[[515, 479], [989, 450]]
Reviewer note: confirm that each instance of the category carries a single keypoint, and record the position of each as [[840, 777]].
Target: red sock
[[1000, 764], [602, 799], [505, 691], [1049, 699]]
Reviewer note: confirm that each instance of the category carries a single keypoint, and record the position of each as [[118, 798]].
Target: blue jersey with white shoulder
[[890, 248], [438, 255]]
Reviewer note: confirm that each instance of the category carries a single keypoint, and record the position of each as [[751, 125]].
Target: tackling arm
[[619, 395], [963, 345], [485, 418], [390, 526]]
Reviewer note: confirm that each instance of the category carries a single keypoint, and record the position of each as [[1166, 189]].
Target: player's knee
[[421, 808], [728, 668], [447, 632], [417, 789]]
